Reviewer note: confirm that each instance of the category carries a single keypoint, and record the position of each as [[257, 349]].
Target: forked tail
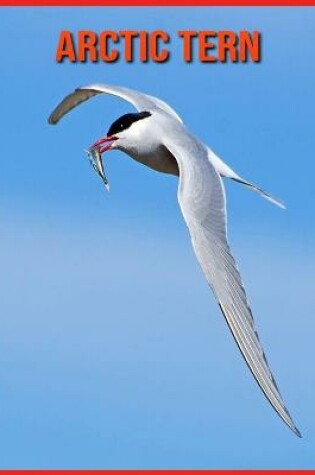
[[225, 171]]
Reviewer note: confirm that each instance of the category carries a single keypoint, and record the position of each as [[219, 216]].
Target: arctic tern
[[156, 136]]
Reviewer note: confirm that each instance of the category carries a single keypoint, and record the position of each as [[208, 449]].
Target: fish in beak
[[95, 156]]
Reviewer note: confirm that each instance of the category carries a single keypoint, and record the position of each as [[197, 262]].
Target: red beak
[[104, 140]]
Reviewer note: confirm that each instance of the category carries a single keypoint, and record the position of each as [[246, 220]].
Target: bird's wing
[[202, 200], [139, 100]]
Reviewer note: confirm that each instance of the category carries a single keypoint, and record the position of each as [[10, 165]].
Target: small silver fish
[[97, 163]]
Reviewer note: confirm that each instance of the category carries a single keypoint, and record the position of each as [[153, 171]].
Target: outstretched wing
[[202, 200], [139, 100]]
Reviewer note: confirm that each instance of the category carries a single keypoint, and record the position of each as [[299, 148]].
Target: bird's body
[[159, 159], [156, 137]]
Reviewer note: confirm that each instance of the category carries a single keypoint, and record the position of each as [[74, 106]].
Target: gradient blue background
[[113, 352]]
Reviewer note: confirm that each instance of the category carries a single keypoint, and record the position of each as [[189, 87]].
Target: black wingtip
[[297, 432]]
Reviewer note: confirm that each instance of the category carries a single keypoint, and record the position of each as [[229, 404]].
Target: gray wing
[[139, 100], [202, 200]]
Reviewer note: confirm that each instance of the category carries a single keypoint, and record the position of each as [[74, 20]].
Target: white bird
[[157, 137]]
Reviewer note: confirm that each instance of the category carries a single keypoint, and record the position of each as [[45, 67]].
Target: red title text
[[206, 46]]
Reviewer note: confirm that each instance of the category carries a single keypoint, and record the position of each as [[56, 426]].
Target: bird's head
[[126, 133]]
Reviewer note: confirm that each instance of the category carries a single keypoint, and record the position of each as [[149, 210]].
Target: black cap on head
[[125, 121]]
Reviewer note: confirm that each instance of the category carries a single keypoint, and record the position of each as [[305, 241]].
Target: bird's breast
[[160, 159]]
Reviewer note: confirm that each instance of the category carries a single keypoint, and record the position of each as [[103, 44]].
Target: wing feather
[[139, 100], [202, 200]]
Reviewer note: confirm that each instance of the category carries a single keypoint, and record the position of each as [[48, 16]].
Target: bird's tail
[[224, 170], [263, 193]]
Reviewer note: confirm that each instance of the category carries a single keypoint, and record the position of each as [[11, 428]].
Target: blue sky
[[113, 352]]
